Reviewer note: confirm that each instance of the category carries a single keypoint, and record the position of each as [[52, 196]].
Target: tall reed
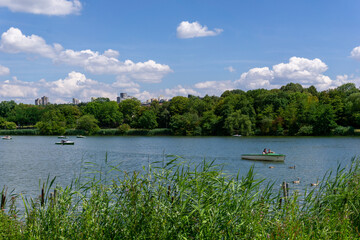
[[177, 200]]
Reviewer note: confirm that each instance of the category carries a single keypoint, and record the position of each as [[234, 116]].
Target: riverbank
[[117, 132], [178, 201]]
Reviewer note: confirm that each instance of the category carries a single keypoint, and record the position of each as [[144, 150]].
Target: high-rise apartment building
[[42, 101]]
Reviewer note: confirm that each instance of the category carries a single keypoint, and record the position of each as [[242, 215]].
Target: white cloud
[[77, 85], [17, 89], [4, 70], [355, 53], [215, 87], [13, 41], [180, 91], [195, 29], [230, 69], [305, 71], [256, 78], [46, 7]]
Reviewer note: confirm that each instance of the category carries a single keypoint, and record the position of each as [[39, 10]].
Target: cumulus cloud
[[78, 85], [195, 29], [46, 7], [355, 53], [305, 71], [17, 89], [14, 41], [4, 70]]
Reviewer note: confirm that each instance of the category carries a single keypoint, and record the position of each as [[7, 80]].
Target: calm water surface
[[26, 159]]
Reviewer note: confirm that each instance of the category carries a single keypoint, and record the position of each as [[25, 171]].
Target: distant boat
[[7, 138], [65, 142], [264, 157], [237, 135], [63, 137], [80, 136]]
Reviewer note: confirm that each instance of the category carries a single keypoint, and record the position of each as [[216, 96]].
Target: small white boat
[[80, 136], [7, 138], [65, 142], [63, 137], [264, 157], [237, 135]]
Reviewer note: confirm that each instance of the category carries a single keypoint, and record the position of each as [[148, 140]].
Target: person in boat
[[269, 151], [264, 151], [62, 141]]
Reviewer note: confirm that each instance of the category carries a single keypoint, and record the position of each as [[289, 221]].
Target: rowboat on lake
[[7, 138], [264, 157], [80, 136], [62, 137], [65, 142]]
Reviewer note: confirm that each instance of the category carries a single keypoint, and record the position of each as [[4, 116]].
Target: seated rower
[[270, 151], [264, 151]]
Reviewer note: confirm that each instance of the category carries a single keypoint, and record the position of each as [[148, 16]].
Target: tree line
[[288, 111]]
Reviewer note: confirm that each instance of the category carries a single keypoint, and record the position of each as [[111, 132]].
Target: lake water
[[26, 159]]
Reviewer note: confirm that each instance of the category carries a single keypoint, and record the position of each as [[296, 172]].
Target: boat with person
[[7, 138], [65, 142], [62, 137], [80, 136], [275, 157]]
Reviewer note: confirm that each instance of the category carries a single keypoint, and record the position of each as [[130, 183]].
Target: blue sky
[[82, 48]]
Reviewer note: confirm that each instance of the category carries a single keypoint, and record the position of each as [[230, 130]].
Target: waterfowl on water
[[271, 167], [296, 181], [315, 184], [292, 167]]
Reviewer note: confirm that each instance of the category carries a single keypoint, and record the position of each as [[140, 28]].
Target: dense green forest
[[288, 111]]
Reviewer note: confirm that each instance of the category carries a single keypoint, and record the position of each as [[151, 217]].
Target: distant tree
[[178, 105], [106, 112], [130, 108], [238, 123], [52, 122], [88, 123], [147, 120], [209, 123], [292, 87], [325, 120], [6, 107], [186, 124]]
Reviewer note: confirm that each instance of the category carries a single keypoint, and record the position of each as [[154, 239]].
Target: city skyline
[[83, 49]]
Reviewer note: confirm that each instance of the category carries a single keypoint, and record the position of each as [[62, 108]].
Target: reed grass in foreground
[[179, 201]]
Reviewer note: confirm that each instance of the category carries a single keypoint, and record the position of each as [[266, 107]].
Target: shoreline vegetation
[[291, 110], [176, 200]]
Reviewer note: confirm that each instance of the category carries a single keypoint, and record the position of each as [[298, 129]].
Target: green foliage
[[10, 125], [185, 124], [130, 108], [123, 128], [147, 120], [52, 123], [305, 131], [238, 123], [289, 110], [178, 105], [106, 112], [184, 201], [343, 131], [88, 123]]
